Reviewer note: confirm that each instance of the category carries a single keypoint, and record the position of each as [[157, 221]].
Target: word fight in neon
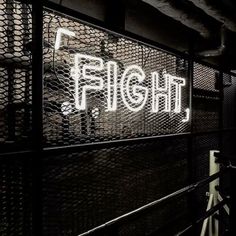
[[92, 73]]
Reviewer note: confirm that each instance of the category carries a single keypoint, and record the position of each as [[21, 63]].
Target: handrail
[[206, 215], [150, 206]]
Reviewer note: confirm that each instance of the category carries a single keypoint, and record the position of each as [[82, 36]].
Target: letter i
[[111, 86]]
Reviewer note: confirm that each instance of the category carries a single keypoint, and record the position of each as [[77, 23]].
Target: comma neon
[[166, 89]]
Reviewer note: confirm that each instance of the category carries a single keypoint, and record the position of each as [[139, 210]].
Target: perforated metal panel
[[15, 197], [229, 102], [95, 123], [202, 145], [229, 114], [206, 98], [158, 221], [201, 150], [83, 190], [15, 73]]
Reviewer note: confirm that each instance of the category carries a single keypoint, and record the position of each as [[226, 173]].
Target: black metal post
[[26, 41], [191, 170], [10, 71], [221, 111], [37, 113], [232, 212]]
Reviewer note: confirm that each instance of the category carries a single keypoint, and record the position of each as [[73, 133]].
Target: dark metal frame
[[37, 115], [37, 122]]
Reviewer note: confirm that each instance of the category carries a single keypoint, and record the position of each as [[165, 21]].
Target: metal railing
[[113, 225]]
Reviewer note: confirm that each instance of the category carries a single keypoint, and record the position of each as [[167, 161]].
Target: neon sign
[[97, 74]]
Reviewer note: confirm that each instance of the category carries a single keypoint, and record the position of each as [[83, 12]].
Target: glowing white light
[[61, 31], [81, 71], [178, 83], [66, 108], [125, 88], [186, 119], [166, 92], [111, 88], [166, 89], [161, 92]]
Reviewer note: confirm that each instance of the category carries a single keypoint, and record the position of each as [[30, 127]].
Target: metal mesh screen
[[15, 73], [15, 197], [206, 98], [202, 145], [229, 143], [83, 190], [201, 149], [64, 124], [229, 102], [229, 114], [159, 220]]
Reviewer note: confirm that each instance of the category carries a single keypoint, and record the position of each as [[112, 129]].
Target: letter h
[[160, 93]]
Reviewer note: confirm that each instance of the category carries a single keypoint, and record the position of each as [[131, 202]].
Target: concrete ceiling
[[178, 24]]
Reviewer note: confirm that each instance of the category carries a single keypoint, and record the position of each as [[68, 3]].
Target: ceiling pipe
[[170, 8], [220, 50], [215, 12]]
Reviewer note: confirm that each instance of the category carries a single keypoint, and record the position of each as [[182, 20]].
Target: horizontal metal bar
[[206, 215], [16, 154], [210, 178], [150, 206], [124, 33], [110, 143], [115, 143]]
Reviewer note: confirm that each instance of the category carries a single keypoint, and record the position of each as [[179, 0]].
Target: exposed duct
[[171, 9], [216, 52], [211, 9]]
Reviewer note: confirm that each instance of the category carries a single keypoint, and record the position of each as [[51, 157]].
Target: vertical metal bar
[[221, 111], [191, 172], [26, 38], [221, 117], [37, 113], [214, 168], [232, 215], [190, 75], [190, 140], [10, 71]]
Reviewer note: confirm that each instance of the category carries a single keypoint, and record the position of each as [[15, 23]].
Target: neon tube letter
[[84, 79], [159, 92], [137, 98], [111, 87], [178, 83], [186, 119], [61, 31]]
